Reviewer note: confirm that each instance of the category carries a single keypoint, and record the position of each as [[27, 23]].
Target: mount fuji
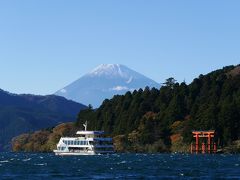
[[104, 82]]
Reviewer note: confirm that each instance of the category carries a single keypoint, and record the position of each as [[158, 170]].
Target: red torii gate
[[201, 148]]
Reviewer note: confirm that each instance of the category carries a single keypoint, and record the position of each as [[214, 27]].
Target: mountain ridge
[[26, 112]]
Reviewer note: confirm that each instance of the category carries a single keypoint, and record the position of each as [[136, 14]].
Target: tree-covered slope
[[211, 101]]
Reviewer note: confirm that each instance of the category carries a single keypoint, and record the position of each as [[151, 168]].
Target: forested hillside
[[153, 120], [209, 102]]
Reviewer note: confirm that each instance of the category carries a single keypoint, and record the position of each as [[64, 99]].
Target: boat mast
[[85, 126]]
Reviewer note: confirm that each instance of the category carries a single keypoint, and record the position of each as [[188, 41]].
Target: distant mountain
[[104, 82], [26, 113]]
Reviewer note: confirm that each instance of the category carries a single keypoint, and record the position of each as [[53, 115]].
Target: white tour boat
[[86, 143]]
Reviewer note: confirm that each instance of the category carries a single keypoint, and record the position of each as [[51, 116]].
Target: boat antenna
[[85, 126]]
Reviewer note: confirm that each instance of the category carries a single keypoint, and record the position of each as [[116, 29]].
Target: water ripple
[[119, 166]]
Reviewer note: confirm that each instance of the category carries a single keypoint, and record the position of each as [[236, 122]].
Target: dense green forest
[[153, 120]]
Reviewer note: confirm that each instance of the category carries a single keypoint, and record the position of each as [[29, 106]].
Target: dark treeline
[[145, 118]]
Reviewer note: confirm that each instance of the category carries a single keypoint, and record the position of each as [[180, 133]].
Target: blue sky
[[47, 44]]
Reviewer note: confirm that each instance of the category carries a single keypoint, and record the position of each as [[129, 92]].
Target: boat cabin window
[[61, 148], [76, 142]]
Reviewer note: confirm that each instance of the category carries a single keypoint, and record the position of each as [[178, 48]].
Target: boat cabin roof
[[90, 132]]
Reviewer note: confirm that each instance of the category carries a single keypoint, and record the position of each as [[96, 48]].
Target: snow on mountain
[[110, 70], [104, 82]]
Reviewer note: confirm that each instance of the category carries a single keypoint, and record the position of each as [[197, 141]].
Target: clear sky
[[47, 44]]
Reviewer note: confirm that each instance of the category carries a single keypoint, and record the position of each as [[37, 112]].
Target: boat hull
[[74, 153], [84, 153]]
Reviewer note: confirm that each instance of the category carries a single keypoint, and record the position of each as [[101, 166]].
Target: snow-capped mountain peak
[[110, 70], [104, 82]]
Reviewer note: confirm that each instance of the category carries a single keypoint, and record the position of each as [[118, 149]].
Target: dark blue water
[[119, 166]]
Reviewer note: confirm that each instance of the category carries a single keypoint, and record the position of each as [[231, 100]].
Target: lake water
[[119, 166]]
